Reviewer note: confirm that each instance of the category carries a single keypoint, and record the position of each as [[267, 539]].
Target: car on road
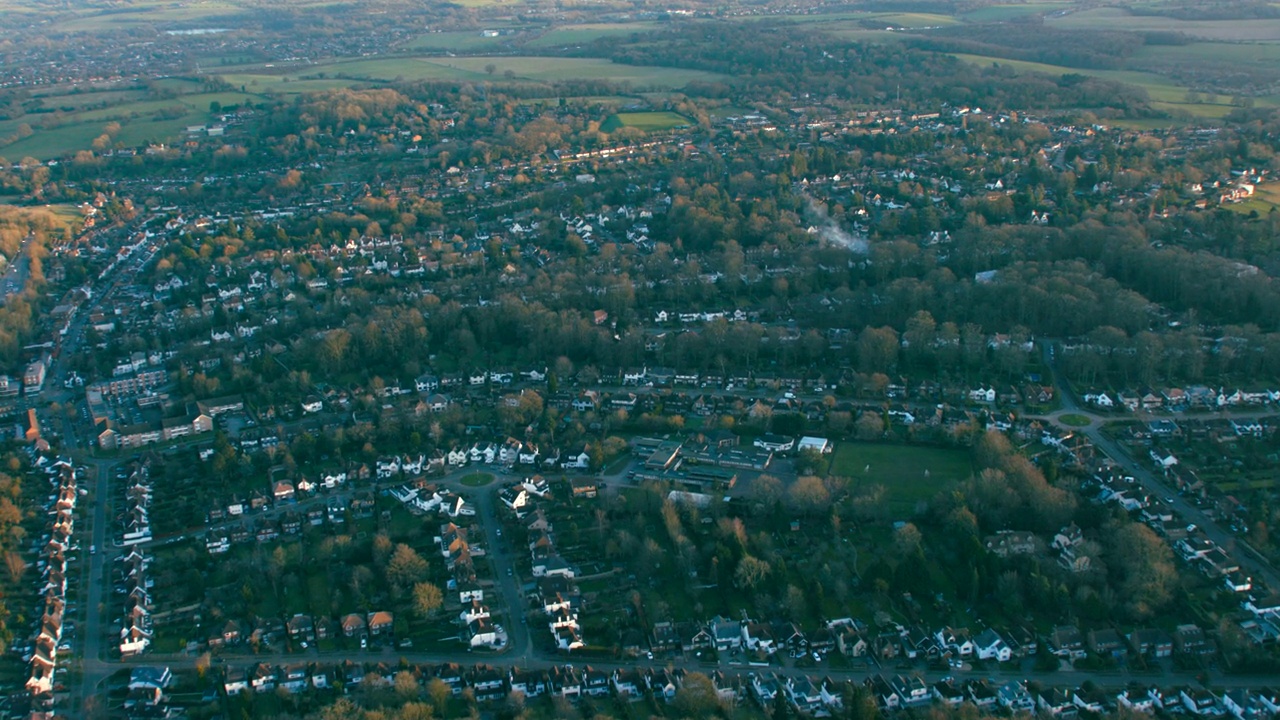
[[510, 572]]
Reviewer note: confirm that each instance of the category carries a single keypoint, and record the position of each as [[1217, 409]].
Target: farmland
[[1109, 18], [1164, 93], [578, 34]]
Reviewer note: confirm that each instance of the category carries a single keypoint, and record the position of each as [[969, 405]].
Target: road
[[1253, 564]]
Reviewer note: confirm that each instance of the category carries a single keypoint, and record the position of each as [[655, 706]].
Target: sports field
[[909, 473], [647, 121]]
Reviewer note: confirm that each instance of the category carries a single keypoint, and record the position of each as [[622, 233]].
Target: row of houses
[[53, 578], [303, 629], [136, 623], [459, 550], [1179, 399]]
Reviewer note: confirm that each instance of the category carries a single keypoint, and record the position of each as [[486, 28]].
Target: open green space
[[578, 34], [478, 479], [1164, 93], [646, 121], [909, 473], [1074, 420], [1002, 13], [1115, 18]]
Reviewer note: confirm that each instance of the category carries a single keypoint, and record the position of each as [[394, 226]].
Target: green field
[[646, 121], [474, 68], [1113, 18], [1001, 13], [569, 35], [909, 473], [1163, 92]]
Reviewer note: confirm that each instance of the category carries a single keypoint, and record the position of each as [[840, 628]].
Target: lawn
[[478, 479], [646, 121], [1074, 420], [909, 473]]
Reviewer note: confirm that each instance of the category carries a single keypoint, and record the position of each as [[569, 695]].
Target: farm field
[[473, 68], [578, 34], [647, 121], [1163, 92], [1002, 13], [1110, 18], [909, 473], [140, 121]]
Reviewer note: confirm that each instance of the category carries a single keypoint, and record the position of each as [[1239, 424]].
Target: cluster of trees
[[12, 537]]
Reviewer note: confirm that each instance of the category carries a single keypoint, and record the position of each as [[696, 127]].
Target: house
[[955, 641], [757, 637], [236, 681], [1138, 698], [1189, 639], [1199, 701], [628, 683], [1151, 642], [981, 694], [1107, 643], [988, 645], [1066, 642], [353, 625], [851, 642], [911, 690], [726, 634], [803, 694], [1056, 702], [1008, 543], [947, 693]]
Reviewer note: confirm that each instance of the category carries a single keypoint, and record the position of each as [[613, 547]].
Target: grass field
[[646, 121], [1163, 92], [570, 35], [1074, 420], [1112, 18], [909, 473], [1001, 13]]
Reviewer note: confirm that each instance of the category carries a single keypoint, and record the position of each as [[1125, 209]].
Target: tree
[[427, 599], [870, 426], [808, 495], [405, 568], [766, 490], [697, 697], [406, 685], [439, 692], [751, 570]]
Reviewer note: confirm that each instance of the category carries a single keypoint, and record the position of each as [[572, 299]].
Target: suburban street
[[1256, 565], [96, 665]]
